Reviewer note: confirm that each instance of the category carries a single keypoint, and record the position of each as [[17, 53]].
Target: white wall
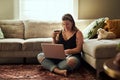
[[91, 9], [6, 9]]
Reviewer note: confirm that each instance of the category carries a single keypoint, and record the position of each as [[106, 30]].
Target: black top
[[68, 44]]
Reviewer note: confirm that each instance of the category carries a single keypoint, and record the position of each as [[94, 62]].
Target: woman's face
[[67, 25]]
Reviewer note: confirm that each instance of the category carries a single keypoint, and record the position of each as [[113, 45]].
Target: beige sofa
[[23, 38]]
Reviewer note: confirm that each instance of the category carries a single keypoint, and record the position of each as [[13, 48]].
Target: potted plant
[[117, 57]]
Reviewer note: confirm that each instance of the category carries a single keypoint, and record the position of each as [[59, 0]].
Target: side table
[[111, 70]]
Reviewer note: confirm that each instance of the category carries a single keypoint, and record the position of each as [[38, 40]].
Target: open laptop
[[51, 50]]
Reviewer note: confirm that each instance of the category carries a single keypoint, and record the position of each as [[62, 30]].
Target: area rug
[[37, 72]]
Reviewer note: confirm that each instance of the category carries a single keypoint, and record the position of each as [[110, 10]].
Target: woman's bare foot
[[61, 72]]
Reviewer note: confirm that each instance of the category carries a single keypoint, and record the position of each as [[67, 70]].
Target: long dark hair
[[70, 18]]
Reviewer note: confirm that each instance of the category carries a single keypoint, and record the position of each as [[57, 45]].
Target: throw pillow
[[1, 34], [113, 26], [91, 30]]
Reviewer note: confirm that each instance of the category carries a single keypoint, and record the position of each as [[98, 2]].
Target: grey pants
[[50, 64]]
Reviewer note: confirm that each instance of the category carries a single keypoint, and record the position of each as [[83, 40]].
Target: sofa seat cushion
[[35, 43], [100, 48], [11, 44]]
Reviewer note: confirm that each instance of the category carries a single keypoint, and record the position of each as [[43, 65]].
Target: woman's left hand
[[67, 51]]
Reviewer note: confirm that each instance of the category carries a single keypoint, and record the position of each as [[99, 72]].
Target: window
[[45, 9]]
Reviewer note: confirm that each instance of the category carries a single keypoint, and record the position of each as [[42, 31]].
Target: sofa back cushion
[[12, 28], [82, 24], [113, 26], [39, 29]]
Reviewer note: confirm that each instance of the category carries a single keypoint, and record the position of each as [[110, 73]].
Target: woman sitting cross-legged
[[72, 40]]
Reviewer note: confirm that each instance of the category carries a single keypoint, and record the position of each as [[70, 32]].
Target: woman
[[72, 39]]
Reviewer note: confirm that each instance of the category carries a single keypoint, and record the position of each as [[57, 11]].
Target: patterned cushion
[[91, 30]]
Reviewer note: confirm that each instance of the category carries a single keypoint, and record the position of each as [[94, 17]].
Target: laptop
[[55, 51]]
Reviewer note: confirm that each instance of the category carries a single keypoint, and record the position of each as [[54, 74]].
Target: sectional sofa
[[22, 42]]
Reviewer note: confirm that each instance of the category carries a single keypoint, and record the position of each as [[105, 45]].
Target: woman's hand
[[55, 36], [67, 51], [55, 33]]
